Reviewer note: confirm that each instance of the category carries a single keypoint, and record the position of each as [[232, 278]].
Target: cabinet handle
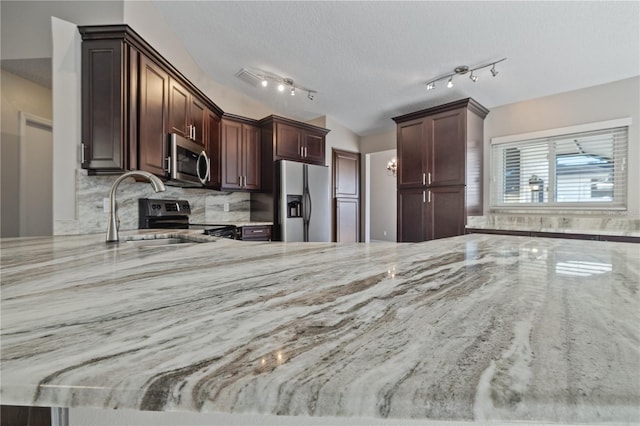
[[82, 148], [168, 167], [429, 196], [429, 178], [423, 198], [424, 179], [257, 231]]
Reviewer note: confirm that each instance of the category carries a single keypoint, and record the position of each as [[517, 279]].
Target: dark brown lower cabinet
[[16, 415], [256, 233], [431, 213]]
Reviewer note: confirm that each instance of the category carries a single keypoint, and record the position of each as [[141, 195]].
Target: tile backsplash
[[207, 206]]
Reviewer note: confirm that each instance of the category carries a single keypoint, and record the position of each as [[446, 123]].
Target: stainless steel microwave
[[188, 162]]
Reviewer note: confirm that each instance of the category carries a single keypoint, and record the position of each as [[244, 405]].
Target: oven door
[[188, 162]]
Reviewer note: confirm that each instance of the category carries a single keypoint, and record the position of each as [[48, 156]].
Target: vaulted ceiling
[[369, 60]]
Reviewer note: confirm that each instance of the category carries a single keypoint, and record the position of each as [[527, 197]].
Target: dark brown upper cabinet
[[285, 139], [240, 154], [152, 143], [439, 169], [187, 113], [106, 96], [293, 140], [132, 98], [212, 129]]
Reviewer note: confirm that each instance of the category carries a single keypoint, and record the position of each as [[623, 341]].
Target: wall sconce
[[461, 70], [392, 167], [261, 78], [536, 185]]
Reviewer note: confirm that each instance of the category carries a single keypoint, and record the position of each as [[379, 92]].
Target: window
[[582, 167]]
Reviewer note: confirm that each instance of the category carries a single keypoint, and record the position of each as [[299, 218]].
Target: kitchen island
[[477, 327]]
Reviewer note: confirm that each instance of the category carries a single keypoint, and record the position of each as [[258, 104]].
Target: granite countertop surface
[[477, 327]]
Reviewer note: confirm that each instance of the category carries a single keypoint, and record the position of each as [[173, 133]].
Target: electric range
[[175, 214]]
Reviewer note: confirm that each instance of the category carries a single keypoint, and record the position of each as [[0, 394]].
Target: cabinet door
[[231, 155], [445, 212], [313, 149], [251, 156], [446, 154], [411, 214], [153, 141], [103, 133], [179, 103], [198, 115], [288, 142], [347, 220], [212, 140], [412, 150]]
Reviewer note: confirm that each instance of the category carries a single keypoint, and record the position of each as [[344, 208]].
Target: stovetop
[[174, 214]]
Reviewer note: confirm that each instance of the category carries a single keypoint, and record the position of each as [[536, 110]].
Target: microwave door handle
[[208, 161], [200, 157]]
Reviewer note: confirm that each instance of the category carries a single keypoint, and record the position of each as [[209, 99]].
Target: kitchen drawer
[[256, 233]]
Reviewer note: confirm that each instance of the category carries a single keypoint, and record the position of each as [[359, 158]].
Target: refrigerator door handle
[[307, 206]]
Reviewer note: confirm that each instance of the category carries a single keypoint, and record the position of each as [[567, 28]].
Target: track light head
[[280, 87], [473, 77], [264, 82], [431, 85], [494, 72], [450, 83], [309, 96], [293, 91]]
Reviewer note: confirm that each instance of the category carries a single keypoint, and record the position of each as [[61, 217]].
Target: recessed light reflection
[[391, 273]]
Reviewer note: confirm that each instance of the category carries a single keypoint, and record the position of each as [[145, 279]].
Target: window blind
[[582, 170]]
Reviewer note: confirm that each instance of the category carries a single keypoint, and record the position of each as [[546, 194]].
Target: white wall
[[26, 25], [18, 95], [369, 144], [382, 197], [598, 103]]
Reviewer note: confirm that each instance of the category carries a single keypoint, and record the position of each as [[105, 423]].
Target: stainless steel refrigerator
[[303, 199]]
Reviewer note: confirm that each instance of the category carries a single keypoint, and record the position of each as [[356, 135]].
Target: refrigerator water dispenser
[[294, 206]]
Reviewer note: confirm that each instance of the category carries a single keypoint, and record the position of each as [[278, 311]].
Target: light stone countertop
[[478, 327]]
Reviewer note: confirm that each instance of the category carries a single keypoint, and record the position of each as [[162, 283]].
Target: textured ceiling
[[369, 60]]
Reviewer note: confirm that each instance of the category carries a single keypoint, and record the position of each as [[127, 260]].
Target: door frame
[[24, 118]]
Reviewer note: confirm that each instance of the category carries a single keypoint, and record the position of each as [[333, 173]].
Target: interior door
[[36, 175], [346, 196]]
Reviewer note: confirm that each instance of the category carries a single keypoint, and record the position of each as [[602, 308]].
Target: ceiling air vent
[[249, 77]]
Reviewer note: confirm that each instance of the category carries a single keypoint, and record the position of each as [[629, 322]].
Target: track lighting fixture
[[257, 77], [461, 70]]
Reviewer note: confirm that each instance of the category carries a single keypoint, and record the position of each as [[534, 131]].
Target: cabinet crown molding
[[277, 119], [128, 35], [469, 103]]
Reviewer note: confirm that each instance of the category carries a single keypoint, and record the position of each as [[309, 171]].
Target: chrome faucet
[[114, 222]]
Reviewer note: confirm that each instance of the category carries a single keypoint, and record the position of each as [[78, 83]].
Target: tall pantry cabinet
[[439, 169]]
